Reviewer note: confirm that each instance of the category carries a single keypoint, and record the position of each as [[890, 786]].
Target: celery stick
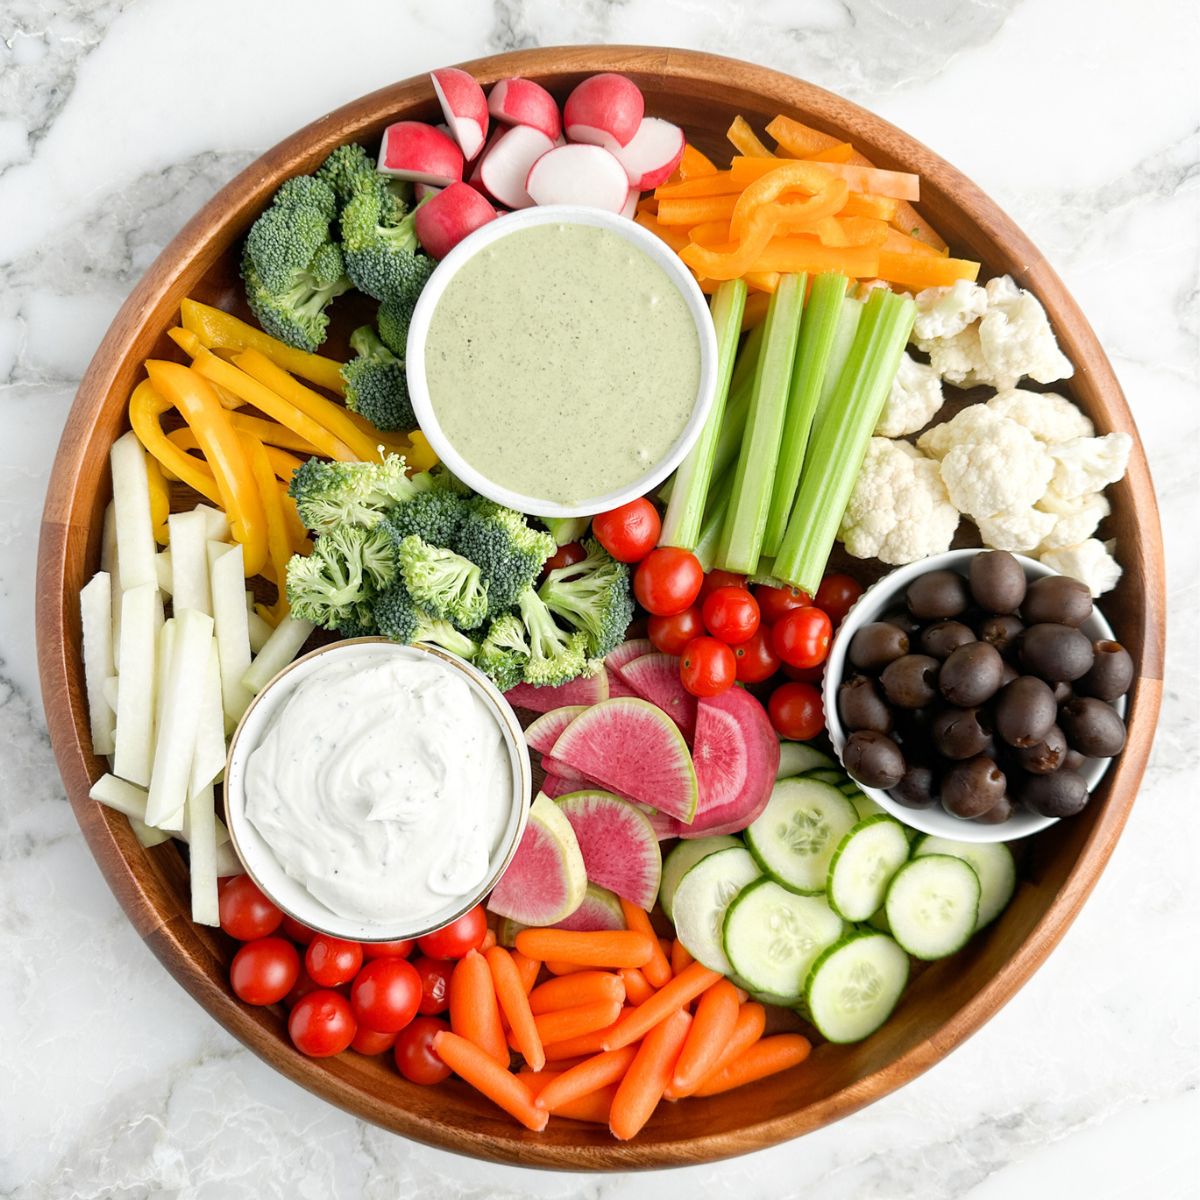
[[685, 512], [843, 339], [841, 437], [747, 358], [817, 333], [714, 521], [741, 537]]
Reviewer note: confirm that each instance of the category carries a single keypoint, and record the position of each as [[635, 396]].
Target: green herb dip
[[562, 362]]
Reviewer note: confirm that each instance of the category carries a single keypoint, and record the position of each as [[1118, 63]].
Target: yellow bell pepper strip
[[393, 443], [694, 165], [924, 270], [217, 370], [858, 204], [296, 531], [796, 254], [762, 281], [279, 542], [332, 416], [745, 140], [809, 178], [797, 139], [145, 412], [216, 328], [675, 238], [696, 210], [273, 434], [282, 463], [160, 500], [720, 184], [901, 243], [840, 153], [191, 345], [420, 456], [198, 404], [755, 311]]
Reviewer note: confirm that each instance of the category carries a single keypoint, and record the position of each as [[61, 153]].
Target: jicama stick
[[208, 757], [474, 1010], [683, 989], [603, 948], [200, 823], [121, 795], [131, 503], [141, 616], [569, 991], [227, 580], [639, 1092], [605, 1068], [189, 562], [766, 1057], [164, 571], [515, 1005], [714, 1021], [282, 646], [96, 619], [487, 1076], [259, 630], [658, 970]]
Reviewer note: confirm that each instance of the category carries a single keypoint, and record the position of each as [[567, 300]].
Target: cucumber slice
[[772, 938], [826, 775], [687, 853], [798, 831], [854, 985], [863, 865], [991, 861], [932, 904], [866, 807], [703, 895], [797, 757]]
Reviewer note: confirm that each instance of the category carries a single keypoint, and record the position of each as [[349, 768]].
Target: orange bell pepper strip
[[279, 541], [240, 498], [697, 210], [849, 231], [720, 184], [710, 233], [858, 204], [901, 243], [840, 153], [924, 270], [745, 140], [762, 281], [755, 312], [674, 238], [693, 164], [827, 195], [146, 407], [797, 139], [796, 254]]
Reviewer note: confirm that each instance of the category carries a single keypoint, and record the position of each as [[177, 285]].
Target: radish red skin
[[519, 101], [464, 107], [443, 221], [653, 153], [418, 152], [604, 110]]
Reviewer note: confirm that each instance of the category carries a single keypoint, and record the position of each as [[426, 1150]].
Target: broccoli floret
[[379, 242], [397, 616], [508, 552], [393, 320], [434, 515], [336, 584], [592, 595], [376, 386], [342, 170], [442, 582], [329, 494], [504, 652], [555, 656]]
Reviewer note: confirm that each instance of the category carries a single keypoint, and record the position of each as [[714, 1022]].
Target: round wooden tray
[[948, 1001]]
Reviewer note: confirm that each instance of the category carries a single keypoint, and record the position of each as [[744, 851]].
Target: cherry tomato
[[331, 960], [564, 556], [813, 675], [777, 602], [836, 595], [300, 934], [264, 970], [707, 667], [719, 579], [388, 949], [667, 581], [628, 533], [303, 986], [386, 994], [801, 637], [796, 711], [416, 1059], [371, 1041], [756, 660], [457, 939], [434, 974], [731, 614], [670, 634], [245, 912], [321, 1024]]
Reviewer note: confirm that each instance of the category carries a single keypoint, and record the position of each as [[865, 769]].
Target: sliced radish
[[631, 203], [584, 175], [416, 151], [422, 191], [443, 222], [465, 108], [523, 102], [653, 153], [505, 167], [475, 179], [604, 110]]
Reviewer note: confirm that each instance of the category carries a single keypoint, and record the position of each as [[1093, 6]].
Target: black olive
[[915, 789], [1045, 756], [961, 732], [997, 581], [1074, 760], [904, 620], [1003, 632], [937, 595], [1062, 692], [942, 639], [873, 759], [911, 681], [1111, 674], [1025, 711], [1057, 600], [861, 707], [877, 644], [1059, 794], [1008, 674], [997, 814], [971, 674], [1092, 727], [971, 788], [1056, 652]]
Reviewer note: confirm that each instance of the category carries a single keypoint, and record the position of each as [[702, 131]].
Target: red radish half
[[422, 191], [416, 151], [505, 167], [442, 222], [523, 102], [653, 154], [464, 106], [631, 203], [584, 175], [604, 110]]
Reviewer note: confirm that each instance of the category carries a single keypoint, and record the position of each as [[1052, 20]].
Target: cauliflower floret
[[975, 423], [959, 359], [915, 397], [1016, 339], [899, 511], [1003, 473], [1075, 518], [1019, 531], [943, 312], [1051, 418], [1091, 562], [1088, 464]]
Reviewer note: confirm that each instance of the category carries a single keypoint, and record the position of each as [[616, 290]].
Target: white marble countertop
[[118, 119]]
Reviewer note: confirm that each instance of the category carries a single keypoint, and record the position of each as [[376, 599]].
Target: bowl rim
[[68, 542], [530, 218]]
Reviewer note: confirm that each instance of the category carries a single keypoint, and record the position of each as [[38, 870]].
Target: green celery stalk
[[817, 333], [714, 521], [747, 359], [843, 340], [841, 437], [685, 511], [741, 538]]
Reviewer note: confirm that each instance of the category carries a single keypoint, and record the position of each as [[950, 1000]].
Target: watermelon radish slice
[[546, 880], [556, 785], [620, 850], [544, 732], [601, 909], [664, 827], [626, 652], [587, 689], [632, 747], [655, 677], [555, 766]]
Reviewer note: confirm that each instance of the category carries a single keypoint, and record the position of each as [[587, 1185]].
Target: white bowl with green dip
[[561, 361]]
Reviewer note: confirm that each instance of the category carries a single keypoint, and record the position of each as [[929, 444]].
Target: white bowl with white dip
[[376, 791], [561, 360]]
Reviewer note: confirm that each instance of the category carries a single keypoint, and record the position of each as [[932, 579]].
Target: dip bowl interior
[[662, 256], [260, 861]]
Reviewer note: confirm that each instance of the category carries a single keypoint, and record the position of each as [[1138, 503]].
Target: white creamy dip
[[383, 786]]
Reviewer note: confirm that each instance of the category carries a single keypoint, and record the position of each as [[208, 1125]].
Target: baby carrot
[[556, 1067], [565, 968], [594, 1107], [680, 958], [637, 988], [766, 1057], [716, 1017], [510, 993], [751, 1021], [564, 1023], [474, 1012], [658, 970], [536, 1080], [489, 940], [586, 1044], [580, 987], [642, 1088], [484, 1074], [684, 988], [528, 967], [602, 948], [593, 1073]]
